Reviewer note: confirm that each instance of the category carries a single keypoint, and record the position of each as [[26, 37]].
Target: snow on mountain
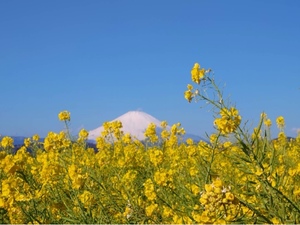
[[135, 123]]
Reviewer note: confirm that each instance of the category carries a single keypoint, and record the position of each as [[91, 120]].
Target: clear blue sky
[[101, 59]]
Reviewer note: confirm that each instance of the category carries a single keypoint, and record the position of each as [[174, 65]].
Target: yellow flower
[[282, 138], [197, 73], [208, 187], [149, 190], [167, 212], [213, 138], [76, 176], [197, 217], [9, 165], [189, 87], [292, 172], [7, 142], [275, 220], [163, 178], [165, 134], [2, 202], [229, 196], [156, 157], [193, 171], [218, 183], [280, 122], [127, 138], [177, 219], [268, 122], [151, 209], [188, 95], [129, 177], [87, 199], [195, 189], [128, 212], [16, 215], [164, 124], [83, 134], [151, 132], [27, 142], [229, 121], [227, 144], [35, 137], [64, 116]]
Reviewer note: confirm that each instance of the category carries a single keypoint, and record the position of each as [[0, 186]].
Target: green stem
[[282, 195], [68, 130], [210, 164]]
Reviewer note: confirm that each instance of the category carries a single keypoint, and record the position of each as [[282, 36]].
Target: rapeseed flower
[[83, 134], [280, 122], [87, 199], [151, 209], [156, 156], [197, 73], [229, 121], [149, 190], [64, 116], [151, 133], [35, 137], [7, 142]]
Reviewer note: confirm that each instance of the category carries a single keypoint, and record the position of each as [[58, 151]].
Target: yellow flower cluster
[[64, 116], [112, 130], [125, 181], [229, 121], [150, 190], [151, 133], [83, 134], [164, 178], [197, 73], [280, 122], [55, 141], [220, 205], [7, 142], [188, 94]]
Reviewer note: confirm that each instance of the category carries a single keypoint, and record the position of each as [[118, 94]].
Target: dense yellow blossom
[[156, 156], [197, 73], [151, 209], [7, 142], [229, 121], [86, 198], [149, 190], [237, 178], [164, 178], [64, 116], [83, 134], [151, 133], [188, 95]]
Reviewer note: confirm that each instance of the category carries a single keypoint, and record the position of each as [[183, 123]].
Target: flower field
[[237, 177]]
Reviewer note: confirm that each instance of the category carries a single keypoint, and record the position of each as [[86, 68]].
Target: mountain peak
[[134, 122]]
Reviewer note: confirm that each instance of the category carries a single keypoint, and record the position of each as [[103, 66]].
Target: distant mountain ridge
[[135, 123]]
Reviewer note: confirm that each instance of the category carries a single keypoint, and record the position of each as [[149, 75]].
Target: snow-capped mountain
[[135, 123]]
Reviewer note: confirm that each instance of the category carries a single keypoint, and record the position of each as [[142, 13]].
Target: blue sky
[[101, 59]]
